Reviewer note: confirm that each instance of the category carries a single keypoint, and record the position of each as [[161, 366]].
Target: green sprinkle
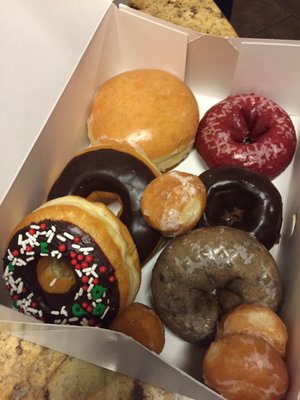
[[14, 303], [44, 248], [99, 309], [98, 291], [77, 310], [11, 267]]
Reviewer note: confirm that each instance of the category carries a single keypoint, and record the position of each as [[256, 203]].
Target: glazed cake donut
[[245, 367], [174, 202], [243, 199], [152, 110], [204, 272], [247, 130], [256, 320], [73, 262], [142, 324], [117, 169]]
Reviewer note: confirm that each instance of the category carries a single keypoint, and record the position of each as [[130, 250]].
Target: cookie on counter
[[199, 15]]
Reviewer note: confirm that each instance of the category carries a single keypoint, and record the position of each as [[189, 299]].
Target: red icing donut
[[247, 130]]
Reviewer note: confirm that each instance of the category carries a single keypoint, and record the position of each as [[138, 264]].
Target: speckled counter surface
[[200, 15]]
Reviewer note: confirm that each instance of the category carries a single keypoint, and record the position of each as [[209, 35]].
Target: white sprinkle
[[20, 262], [34, 226], [73, 319], [18, 280], [12, 282], [20, 239], [29, 296], [49, 232], [52, 283], [6, 272], [80, 292], [59, 255], [89, 296], [32, 310], [54, 252], [29, 253], [40, 313], [84, 321], [76, 296], [90, 280], [99, 300], [20, 287], [63, 311], [60, 237], [57, 321], [54, 312], [64, 321], [10, 256], [86, 249], [44, 254], [53, 228], [14, 261], [94, 304], [68, 235], [79, 273], [50, 238], [75, 246], [105, 312], [90, 288], [95, 274], [29, 259]]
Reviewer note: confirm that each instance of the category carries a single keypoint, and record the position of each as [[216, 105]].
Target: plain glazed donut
[[256, 320], [245, 367], [243, 199], [73, 262], [174, 202], [207, 271], [117, 169], [152, 110], [247, 130], [142, 324]]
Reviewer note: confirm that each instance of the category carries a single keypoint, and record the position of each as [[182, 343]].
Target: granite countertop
[[200, 15], [30, 371]]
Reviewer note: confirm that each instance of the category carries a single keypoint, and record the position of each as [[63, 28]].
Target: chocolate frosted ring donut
[[72, 262], [243, 199], [206, 272], [247, 130], [114, 168]]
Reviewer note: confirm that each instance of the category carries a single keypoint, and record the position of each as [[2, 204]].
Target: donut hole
[[232, 206], [111, 200], [55, 276]]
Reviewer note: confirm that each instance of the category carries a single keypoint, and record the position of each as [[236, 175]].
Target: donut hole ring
[[247, 130], [243, 199], [193, 268]]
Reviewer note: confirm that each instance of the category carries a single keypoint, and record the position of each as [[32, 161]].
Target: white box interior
[[213, 68]]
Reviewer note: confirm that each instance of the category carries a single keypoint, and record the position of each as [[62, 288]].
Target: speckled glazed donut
[[205, 272], [247, 130], [243, 199]]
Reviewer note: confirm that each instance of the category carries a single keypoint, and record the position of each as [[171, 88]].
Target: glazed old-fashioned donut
[[174, 202], [245, 367], [204, 272], [118, 169], [142, 324], [243, 199], [152, 110], [73, 262], [256, 320], [247, 130]]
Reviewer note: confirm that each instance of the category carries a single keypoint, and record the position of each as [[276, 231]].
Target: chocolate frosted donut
[[117, 169], [207, 271], [243, 199]]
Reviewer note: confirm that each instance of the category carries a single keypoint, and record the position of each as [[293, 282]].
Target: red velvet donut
[[247, 130]]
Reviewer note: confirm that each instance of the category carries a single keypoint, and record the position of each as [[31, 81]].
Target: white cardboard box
[[44, 111]]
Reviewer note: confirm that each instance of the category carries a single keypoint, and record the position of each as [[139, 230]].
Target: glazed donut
[[256, 320], [73, 262], [142, 324], [202, 273], [245, 367], [243, 199], [173, 202], [152, 110], [247, 130], [118, 169]]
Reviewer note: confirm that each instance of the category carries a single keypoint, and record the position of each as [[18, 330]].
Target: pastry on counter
[[199, 15]]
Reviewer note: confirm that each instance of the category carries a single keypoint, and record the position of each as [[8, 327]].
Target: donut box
[[114, 40]]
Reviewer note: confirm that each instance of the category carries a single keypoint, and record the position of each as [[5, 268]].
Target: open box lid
[[213, 67]]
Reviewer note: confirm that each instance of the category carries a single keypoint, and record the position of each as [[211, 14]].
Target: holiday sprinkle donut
[[247, 130], [72, 262]]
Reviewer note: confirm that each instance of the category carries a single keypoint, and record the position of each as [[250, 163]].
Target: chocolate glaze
[[25, 270], [114, 171], [242, 199]]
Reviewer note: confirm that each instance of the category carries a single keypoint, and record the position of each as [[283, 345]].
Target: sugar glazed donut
[[174, 202], [243, 199], [245, 367], [118, 169], [247, 130], [72, 261], [207, 271], [152, 110]]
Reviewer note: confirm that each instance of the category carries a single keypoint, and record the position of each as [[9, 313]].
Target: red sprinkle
[[73, 254], [33, 304], [91, 322], [84, 304], [62, 248], [15, 297], [43, 226], [85, 279], [111, 278], [31, 231], [80, 257], [89, 308], [95, 281], [15, 253], [73, 261], [76, 239], [77, 266], [84, 264], [28, 248], [102, 268], [89, 258], [85, 287], [24, 290], [8, 286]]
